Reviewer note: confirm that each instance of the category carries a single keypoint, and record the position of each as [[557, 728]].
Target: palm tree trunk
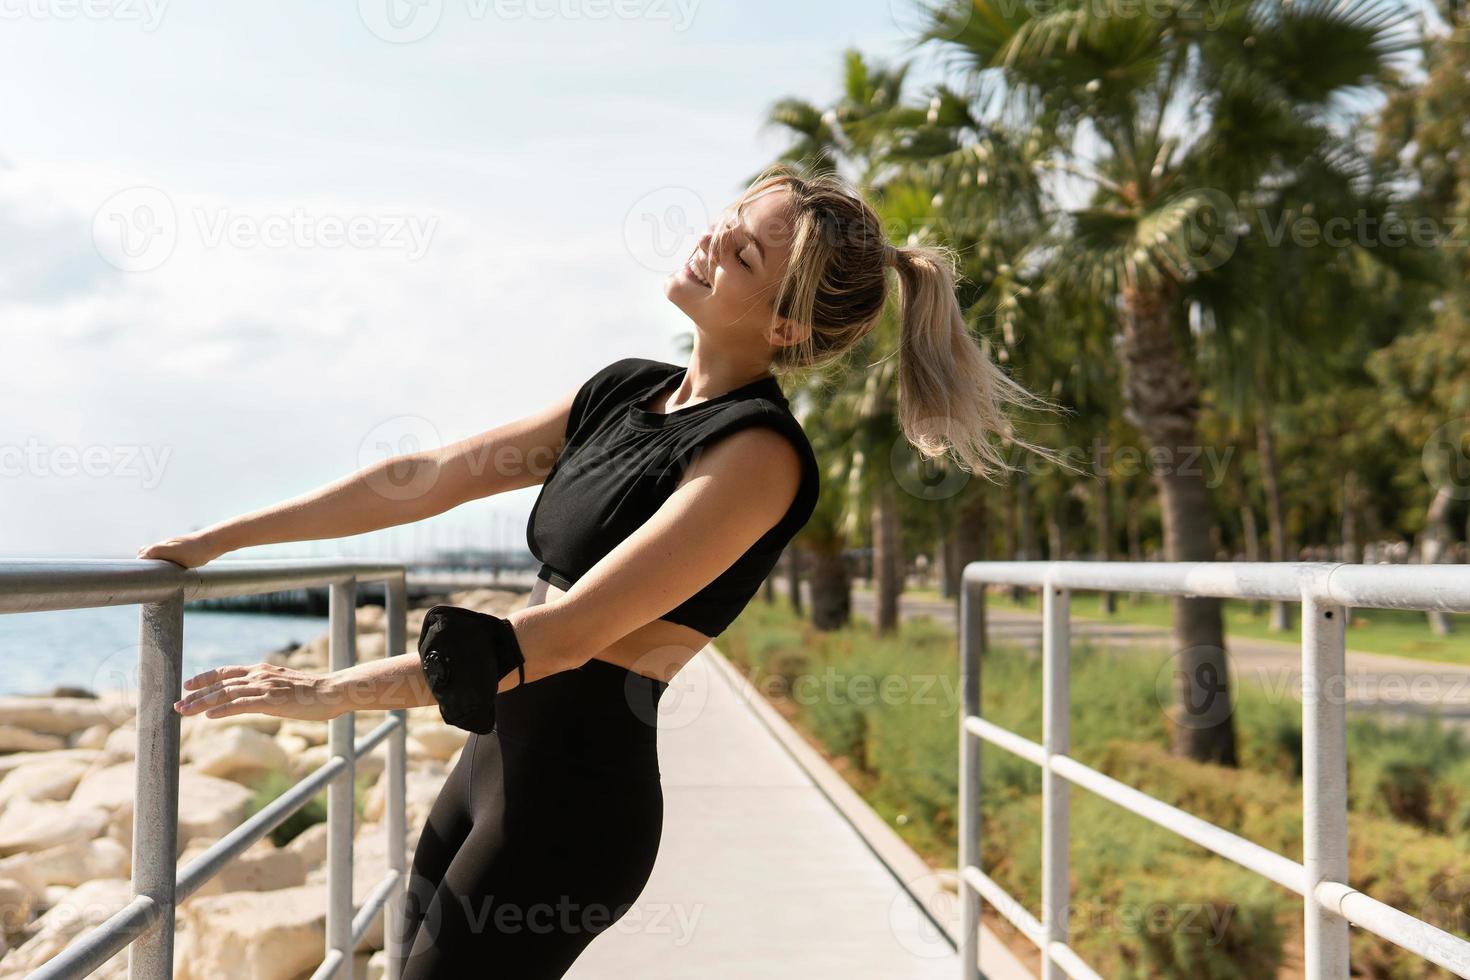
[[969, 537], [831, 590], [1432, 543], [793, 577], [1281, 615], [1162, 400], [887, 563], [1250, 533], [1103, 505]]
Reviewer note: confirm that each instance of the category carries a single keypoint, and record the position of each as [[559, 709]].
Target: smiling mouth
[[690, 268]]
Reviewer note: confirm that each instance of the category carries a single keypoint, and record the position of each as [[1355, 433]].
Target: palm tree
[[1158, 131]]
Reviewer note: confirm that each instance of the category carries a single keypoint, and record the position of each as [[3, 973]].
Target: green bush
[[276, 783], [1409, 790]]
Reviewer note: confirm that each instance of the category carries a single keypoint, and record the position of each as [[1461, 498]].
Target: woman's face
[[728, 285]]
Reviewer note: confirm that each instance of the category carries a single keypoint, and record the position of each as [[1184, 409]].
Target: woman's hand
[[264, 689], [189, 550]]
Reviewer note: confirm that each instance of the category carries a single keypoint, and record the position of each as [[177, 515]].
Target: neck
[[709, 376]]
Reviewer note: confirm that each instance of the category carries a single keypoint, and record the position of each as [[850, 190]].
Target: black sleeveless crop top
[[620, 462]]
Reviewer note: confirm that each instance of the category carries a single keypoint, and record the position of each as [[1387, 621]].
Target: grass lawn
[[1393, 632]]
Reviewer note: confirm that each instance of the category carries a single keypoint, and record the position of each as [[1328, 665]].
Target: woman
[[672, 495]]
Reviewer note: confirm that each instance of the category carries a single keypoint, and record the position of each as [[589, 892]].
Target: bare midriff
[[659, 649]]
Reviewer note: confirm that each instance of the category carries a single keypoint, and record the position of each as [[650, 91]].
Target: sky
[[247, 248]]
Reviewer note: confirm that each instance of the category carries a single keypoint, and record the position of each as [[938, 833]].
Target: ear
[[785, 331]]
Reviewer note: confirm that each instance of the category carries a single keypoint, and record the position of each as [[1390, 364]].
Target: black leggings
[[545, 832]]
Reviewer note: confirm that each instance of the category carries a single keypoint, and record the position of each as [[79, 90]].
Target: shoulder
[[759, 443]]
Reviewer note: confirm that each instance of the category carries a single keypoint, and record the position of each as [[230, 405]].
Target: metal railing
[[1325, 590], [145, 926]]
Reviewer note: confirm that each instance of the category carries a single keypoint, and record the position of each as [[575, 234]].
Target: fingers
[[216, 675], [221, 700]]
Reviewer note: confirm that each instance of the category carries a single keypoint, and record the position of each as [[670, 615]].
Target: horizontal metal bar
[[370, 907], [1415, 935], [1261, 860], [329, 966], [85, 955], [1441, 588], [1011, 910], [1006, 739], [84, 583], [1028, 924], [260, 823]]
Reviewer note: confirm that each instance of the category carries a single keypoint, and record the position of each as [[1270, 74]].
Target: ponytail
[[951, 394]]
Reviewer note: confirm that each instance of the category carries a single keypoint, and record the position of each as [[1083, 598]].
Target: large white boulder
[[208, 806], [76, 911], [48, 779], [236, 752], [30, 825]]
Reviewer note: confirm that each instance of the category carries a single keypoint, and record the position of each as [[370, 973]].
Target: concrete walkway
[[761, 872]]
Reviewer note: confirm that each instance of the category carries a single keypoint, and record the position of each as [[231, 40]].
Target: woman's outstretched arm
[[730, 496], [398, 490]]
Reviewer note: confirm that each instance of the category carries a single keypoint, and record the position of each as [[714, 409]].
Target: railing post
[[396, 622], [1324, 782], [1055, 791], [156, 780], [972, 645], [341, 813]]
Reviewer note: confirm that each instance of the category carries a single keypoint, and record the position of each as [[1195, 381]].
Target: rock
[[52, 716], [30, 825], [315, 732], [15, 905], [193, 726], [422, 787], [234, 752], [437, 742], [76, 911], [13, 738], [262, 867], [274, 935], [369, 865], [92, 737], [310, 845], [45, 780], [15, 760], [68, 864], [291, 743], [208, 807], [121, 744]]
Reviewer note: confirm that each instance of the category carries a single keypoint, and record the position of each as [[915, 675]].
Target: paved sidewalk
[[759, 874]]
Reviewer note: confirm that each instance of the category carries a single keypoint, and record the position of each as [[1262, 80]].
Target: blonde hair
[[952, 396]]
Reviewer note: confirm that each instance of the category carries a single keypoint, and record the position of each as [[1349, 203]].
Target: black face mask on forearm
[[465, 654]]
